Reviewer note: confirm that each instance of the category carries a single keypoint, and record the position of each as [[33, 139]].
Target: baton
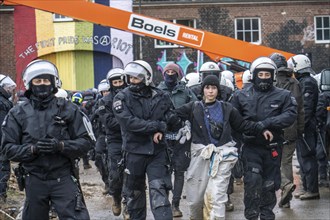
[[305, 142], [322, 143]]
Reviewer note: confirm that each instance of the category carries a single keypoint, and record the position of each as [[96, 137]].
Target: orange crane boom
[[214, 45]]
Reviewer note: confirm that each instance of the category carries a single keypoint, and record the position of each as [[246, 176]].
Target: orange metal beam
[[214, 45]]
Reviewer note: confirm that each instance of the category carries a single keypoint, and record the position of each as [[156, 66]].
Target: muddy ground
[[99, 205]]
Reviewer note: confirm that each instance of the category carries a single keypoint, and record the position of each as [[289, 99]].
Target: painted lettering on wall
[[105, 40]]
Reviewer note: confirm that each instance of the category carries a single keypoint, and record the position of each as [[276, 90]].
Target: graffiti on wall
[[182, 61], [105, 40], [309, 34]]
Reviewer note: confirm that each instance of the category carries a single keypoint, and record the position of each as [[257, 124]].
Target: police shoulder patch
[[118, 105]]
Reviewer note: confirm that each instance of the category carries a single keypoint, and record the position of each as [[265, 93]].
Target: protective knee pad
[[136, 200], [159, 193], [268, 192], [115, 179], [252, 185]]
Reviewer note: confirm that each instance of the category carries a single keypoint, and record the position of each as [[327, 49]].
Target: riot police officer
[[45, 134], [99, 131], [144, 114], [7, 87], [276, 109], [285, 80], [78, 98], [116, 80], [180, 95], [323, 119], [306, 144]]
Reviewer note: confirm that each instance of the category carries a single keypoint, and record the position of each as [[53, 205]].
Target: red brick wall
[[7, 47], [283, 26]]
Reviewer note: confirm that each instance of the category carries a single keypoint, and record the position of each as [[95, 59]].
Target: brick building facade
[[7, 47], [284, 25]]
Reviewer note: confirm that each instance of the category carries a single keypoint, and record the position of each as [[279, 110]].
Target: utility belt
[[20, 174]]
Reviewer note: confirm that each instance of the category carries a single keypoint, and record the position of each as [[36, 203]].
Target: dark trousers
[[159, 180], [262, 177], [321, 155], [60, 193], [308, 162], [115, 172], [101, 159], [4, 176], [180, 159]]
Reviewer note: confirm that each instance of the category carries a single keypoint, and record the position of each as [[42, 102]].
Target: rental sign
[[166, 30]]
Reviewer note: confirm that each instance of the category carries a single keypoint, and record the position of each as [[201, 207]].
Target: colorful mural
[[82, 51]]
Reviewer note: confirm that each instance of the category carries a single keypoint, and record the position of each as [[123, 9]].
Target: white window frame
[[168, 44], [61, 18], [259, 29], [321, 28]]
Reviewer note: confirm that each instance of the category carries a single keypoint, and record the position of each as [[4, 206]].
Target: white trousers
[[207, 195]]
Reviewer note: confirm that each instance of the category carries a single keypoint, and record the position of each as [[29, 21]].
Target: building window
[[322, 29], [58, 17], [163, 44], [248, 29]]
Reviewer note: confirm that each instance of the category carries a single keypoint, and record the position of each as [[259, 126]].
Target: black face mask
[[42, 91], [117, 89], [170, 80], [137, 87], [263, 85]]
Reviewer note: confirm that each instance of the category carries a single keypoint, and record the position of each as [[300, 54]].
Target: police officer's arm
[[109, 117], [132, 123], [287, 117], [321, 109], [310, 94], [80, 141], [185, 111], [11, 146], [235, 100], [3, 113], [300, 108]]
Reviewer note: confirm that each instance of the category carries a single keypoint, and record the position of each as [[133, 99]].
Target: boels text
[[165, 30]]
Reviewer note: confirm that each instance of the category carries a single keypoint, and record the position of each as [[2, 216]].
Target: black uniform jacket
[[25, 125], [276, 109], [139, 117], [108, 119]]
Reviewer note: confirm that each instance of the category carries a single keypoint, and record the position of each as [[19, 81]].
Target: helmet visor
[[8, 84], [135, 70]]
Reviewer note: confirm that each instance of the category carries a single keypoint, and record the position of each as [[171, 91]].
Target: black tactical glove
[[48, 146], [260, 127], [162, 127]]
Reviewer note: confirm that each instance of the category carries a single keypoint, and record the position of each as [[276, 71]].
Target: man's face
[[117, 82], [264, 75], [134, 80], [40, 81], [105, 93], [170, 72]]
